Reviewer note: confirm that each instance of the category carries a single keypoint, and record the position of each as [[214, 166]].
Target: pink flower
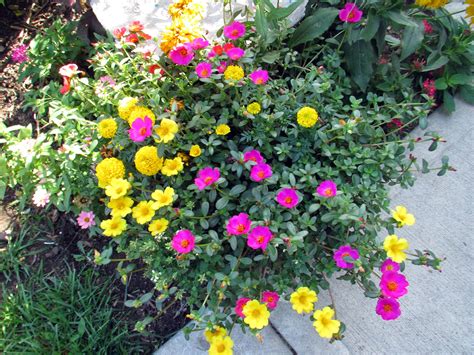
[[287, 198], [66, 85], [259, 237], [183, 241], [141, 129], [222, 67], [350, 13], [41, 197], [239, 306], [19, 54], [393, 284], [135, 26], [119, 32], [132, 38], [259, 77], [254, 155], [206, 177], [204, 69], [388, 308], [429, 87], [239, 225], [235, 53], [235, 30], [428, 27], [260, 172], [327, 188], [182, 54], [341, 253], [389, 265], [199, 43], [68, 70], [270, 298], [86, 220], [107, 79]]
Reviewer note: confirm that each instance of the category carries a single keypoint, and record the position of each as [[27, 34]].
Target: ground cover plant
[[244, 171]]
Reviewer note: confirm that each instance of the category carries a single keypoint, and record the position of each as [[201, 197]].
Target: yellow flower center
[[390, 267], [260, 239], [392, 286], [387, 308], [142, 131], [208, 179], [240, 228], [86, 219], [328, 192], [288, 200], [270, 299], [303, 299], [261, 174], [184, 243], [256, 313], [220, 348]]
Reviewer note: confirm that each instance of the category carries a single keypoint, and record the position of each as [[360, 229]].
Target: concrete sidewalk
[[437, 314]]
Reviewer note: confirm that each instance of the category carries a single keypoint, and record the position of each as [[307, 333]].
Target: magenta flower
[[253, 155], [86, 220], [350, 13], [259, 77], [327, 188], [141, 129], [389, 265], [259, 237], [222, 67], [260, 172], [235, 53], [287, 198], [270, 298], [388, 308], [41, 197], [239, 225], [183, 241], [204, 69], [19, 54], [206, 177], [239, 306], [182, 54], [343, 251], [199, 43], [393, 284], [235, 30]]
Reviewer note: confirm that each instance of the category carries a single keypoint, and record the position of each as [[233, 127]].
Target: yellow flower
[[234, 72], [167, 129], [307, 117], [162, 198], [433, 4], [147, 161], [113, 227], [158, 226], [182, 30], [402, 216], [117, 188], [324, 324], [221, 346], [140, 112], [195, 151], [254, 108], [121, 207], [143, 212], [256, 314], [107, 128], [222, 130], [216, 332], [303, 300], [108, 169], [126, 105], [172, 166], [395, 248]]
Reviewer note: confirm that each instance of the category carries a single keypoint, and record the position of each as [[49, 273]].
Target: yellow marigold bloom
[[221, 346], [172, 166], [158, 226], [256, 314], [113, 227], [120, 207], [190, 8], [107, 128], [216, 332], [143, 212], [303, 300], [222, 130], [402, 216], [324, 324], [117, 188], [395, 248], [167, 129], [125, 107], [147, 160], [182, 30], [108, 169], [307, 117], [254, 108], [234, 72], [140, 112], [195, 151], [432, 4], [162, 198]]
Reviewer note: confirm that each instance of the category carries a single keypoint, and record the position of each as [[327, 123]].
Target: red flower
[[119, 32], [428, 27], [132, 38], [135, 26]]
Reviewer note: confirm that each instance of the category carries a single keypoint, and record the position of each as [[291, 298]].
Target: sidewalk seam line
[[288, 345]]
